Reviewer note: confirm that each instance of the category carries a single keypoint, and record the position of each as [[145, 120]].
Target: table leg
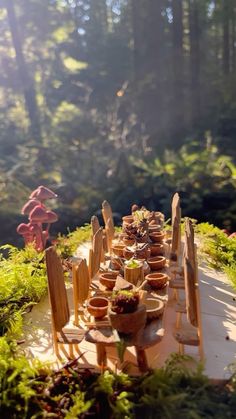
[[142, 359], [101, 354]]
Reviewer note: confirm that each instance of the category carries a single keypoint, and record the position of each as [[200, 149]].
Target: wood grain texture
[[57, 290]]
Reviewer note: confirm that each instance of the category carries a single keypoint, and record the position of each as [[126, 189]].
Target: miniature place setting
[[133, 295]]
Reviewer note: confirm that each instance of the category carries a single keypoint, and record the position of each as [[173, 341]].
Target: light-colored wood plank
[[190, 289], [187, 335], [57, 290]]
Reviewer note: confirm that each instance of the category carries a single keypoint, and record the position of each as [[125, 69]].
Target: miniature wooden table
[[103, 335], [149, 336]]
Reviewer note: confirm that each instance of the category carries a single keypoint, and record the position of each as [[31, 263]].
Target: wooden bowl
[[117, 249], [154, 308], [128, 219], [108, 279], [128, 323], [156, 249], [97, 306], [157, 280], [157, 236], [156, 262]]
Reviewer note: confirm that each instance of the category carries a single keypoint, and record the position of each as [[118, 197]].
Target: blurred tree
[[24, 76], [107, 83]]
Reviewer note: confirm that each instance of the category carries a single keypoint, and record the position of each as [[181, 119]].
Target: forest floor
[[218, 318]]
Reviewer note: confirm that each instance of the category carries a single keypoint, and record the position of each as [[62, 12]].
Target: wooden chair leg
[[56, 348], [200, 351], [141, 359], [176, 294], [71, 352], [181, 349], [178, 320], [55, 343]]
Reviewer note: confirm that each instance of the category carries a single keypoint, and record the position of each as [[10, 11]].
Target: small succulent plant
[[124, 301]]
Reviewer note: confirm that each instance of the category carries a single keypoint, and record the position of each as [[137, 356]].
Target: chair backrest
[[94, 225], [95, 254], [190, 290], [189, 241], [176, 225], [57, 290], [81, 281], [107, 212]]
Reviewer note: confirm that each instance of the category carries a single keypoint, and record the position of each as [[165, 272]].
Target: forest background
[[124, 100]]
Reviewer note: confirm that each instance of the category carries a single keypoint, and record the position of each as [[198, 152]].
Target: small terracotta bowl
[[157, 236], [156, 262], [118, 249], [108, 279], [128, 219], [116, 263], [157, 280], [97, 306], [127, 241], [128, 253], [152, 228], [156, 249]]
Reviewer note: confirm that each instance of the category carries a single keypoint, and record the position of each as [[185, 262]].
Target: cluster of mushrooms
[[40, 218]]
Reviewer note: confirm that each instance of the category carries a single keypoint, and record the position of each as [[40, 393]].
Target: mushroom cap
[[34, 228], [27, 208], [52, 217], [43, 193], [23, 229], [38, 215]]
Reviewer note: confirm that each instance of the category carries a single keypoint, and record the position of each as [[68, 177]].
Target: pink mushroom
[[38, 216], [37, 236], [24, 230], [27, 208], [42, 193], [233, 235]]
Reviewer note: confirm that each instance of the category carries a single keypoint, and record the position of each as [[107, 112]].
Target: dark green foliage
[[30, 391], [23, 283], [23, 278], [219, 249]]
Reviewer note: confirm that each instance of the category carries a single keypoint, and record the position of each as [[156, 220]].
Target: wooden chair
[[109, 223], [95, 226], [61, 332], [95, 253], [176, 280], [81, 283], [190, 334], [176, 228]]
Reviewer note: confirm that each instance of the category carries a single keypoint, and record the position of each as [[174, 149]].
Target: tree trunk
[[27, 83], [178, 68], [226, 38], [138, 38], [148, 36], [194, 36], [233, 39]]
